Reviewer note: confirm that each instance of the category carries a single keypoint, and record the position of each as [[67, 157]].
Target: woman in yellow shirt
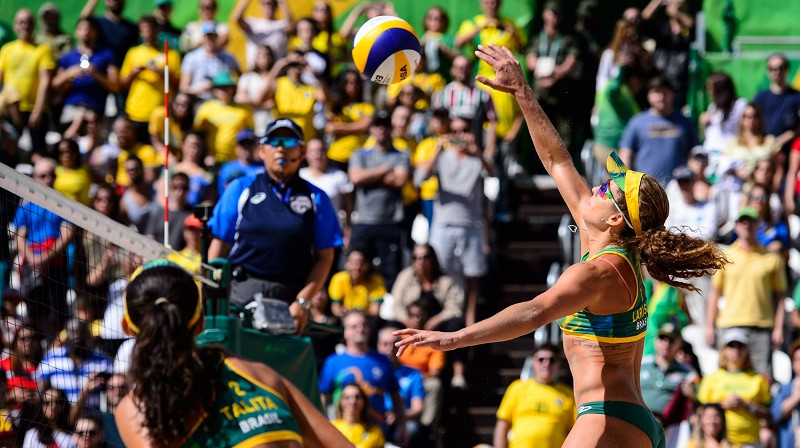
[[72, 176], [350, 119], [354, 421], [358, 287]]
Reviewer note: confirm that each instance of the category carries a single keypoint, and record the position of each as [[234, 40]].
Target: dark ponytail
[[169, 376]]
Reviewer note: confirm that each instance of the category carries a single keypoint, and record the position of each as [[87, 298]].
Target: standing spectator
[[355, 418], [72, 176], [142, 75], [86, 75], [739, 389], [791, 188], [42, 238], [179, 209], [772, 233], [52, 34], [166, 30], [67, 365], [358, 287], [200, 66], [222, 118], [361, 365], [139, 198], [246, 163], [553, 58], [437, 43], [52, 427], [668, 385], [659, 139], [251, 86], [265, 30], [193, 34], [753, 284], [615, 105], [457, 231], [181, 120], [349, 120], [786, 404], [411, 389], [438, 127], [117, 33], [462, 97], [673, 35], [89, 432], [6, 33], [201, 180], [538, 411], [379, 174], [711, 429], [721, 121], [779, 102], [333, 181], [278, 231], [27, 67], [303, 43], [624, 50]]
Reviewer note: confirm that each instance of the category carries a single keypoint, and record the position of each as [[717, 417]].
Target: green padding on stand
[[291, 356], [222, 330]]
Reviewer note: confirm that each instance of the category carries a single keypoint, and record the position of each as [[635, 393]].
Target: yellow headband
[[198, 311], [629, 182]]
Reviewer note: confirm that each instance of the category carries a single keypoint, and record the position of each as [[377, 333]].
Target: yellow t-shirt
[[426, 150], [344, 146], [743, 427], [506, 108], [429, 83], [221, 122], [156, 127], [360, 436], [150, 159], [540, 414], [147, 89], [187, 259], [20, 63], [748, 283], [358, 297], [73, 183], [297, 103], [493, 34]]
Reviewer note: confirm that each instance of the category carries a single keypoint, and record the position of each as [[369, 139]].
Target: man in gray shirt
[[458, 227], [379, 174]]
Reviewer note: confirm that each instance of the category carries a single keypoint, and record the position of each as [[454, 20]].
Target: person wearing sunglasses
[[278, 230], [89, 432], [780, 102], [600, 302], [538, 410]]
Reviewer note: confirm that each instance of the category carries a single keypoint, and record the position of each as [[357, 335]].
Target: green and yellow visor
[[629, 182]]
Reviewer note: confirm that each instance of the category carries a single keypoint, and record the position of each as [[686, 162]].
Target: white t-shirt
[[61, 438], [334, 183], [265, 32]]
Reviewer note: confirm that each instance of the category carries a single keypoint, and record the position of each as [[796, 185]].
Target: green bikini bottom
[[635, 414]]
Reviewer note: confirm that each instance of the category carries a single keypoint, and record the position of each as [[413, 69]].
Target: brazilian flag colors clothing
[[627, 326], [245, 413]]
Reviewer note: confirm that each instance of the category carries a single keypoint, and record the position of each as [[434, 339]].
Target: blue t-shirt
[[85, 90], [411, 386], [203, 66], [272, 233], [43, 227], [785, 426], [373, 372], [780, 111], [118, 37], [234, 170], [659, 144]]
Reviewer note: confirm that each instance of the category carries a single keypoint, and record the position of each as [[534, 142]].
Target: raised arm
[[549, 147], [88, 8], [238, 16]]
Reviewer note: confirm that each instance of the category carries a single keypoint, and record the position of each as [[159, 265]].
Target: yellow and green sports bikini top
[[627, 326]]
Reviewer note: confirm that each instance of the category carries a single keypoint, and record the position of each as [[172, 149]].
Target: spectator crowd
[[395, 179]]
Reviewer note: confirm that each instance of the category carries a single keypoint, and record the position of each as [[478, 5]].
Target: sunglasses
[[605, 190], [549, 359], [779, 68], [89, 433], [286, 142]]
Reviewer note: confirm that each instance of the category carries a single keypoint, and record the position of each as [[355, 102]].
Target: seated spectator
[[89, 135], [411, 389], [538, 411], [742, 393], [771, 233], [20, 364], [349, 119], [72, 175], [265, 30], [303, 42], [166, 30], [221, 118], [766, 173], [179, 209], [437, 43], [89, 432], [320, 309], [251, 85], [246, 163], [111, 389], [126, 146], [68, 365], [193, 35], [333, 181], [698, 217], [85, 75], [720, 121], [53, 428], [200, 66], [139, 199], [190, 256], [181, 120], [193, 164], [711, 429], [354, 419], [358, 287], [786, 403]]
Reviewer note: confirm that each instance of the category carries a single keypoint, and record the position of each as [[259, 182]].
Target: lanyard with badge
[[546, 62]]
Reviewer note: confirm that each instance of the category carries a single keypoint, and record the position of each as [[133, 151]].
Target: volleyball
[[386, 49]]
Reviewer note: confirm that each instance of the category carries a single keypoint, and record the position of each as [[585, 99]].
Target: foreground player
[[600, 302], [185, 396]]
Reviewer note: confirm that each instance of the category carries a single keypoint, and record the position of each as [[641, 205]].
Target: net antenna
[[94, 221], [166, 143]]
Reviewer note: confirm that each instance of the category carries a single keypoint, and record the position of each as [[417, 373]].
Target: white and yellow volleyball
[[386, 49]]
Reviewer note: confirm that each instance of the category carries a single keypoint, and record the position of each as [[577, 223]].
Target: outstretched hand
[[423, 338], [509, 77]]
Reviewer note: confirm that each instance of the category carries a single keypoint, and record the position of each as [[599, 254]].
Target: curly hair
[[171, 378], [667, 254]]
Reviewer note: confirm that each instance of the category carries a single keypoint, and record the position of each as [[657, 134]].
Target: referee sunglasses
[[286, 142]]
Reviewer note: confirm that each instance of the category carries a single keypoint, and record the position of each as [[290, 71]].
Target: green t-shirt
[[615, 105]]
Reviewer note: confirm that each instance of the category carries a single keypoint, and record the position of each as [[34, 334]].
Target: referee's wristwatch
[[304, 303]]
